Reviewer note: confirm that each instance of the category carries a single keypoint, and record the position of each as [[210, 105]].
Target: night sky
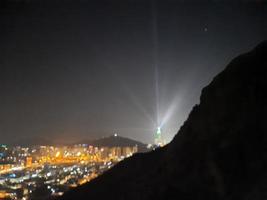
[[71, 70]]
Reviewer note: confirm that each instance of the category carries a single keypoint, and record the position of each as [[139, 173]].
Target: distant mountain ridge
[[220, 153], [116, 141], [110, 141]]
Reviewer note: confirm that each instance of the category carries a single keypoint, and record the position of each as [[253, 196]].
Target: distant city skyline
[[72, 70]]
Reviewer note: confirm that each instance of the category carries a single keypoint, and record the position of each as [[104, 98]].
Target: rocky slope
[[219, 153]]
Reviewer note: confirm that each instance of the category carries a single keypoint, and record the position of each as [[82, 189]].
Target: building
[[28, 162], [158, 138]]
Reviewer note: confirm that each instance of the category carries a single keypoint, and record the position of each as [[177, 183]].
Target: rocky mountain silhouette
[[220, 152]]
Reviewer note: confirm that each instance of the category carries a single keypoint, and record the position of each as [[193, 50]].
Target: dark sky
[[84, 69]]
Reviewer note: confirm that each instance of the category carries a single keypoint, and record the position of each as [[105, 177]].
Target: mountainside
[[219, 153]]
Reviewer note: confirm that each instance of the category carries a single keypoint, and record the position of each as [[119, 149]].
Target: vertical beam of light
[[155, 56], [161, 118], [157, 95]]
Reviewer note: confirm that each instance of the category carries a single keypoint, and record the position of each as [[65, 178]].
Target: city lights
[[58, 168]]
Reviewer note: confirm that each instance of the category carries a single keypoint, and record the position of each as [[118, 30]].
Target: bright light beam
[[170, 111], [156, 52], [160, 119]]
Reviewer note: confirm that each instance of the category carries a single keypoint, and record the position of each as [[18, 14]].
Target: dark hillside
[[219, 153]]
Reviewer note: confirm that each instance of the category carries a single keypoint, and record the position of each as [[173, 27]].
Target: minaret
[[158, 139]]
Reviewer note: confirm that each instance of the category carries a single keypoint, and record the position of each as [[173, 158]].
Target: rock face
[[219, 153]]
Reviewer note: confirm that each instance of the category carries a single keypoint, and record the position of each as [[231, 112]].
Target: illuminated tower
[[158, 139]]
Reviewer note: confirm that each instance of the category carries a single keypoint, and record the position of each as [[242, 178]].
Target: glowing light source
[[57, 154], [158, 138], [159, 131]]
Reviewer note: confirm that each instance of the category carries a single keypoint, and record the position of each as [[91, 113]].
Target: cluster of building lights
[[23, 170]]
